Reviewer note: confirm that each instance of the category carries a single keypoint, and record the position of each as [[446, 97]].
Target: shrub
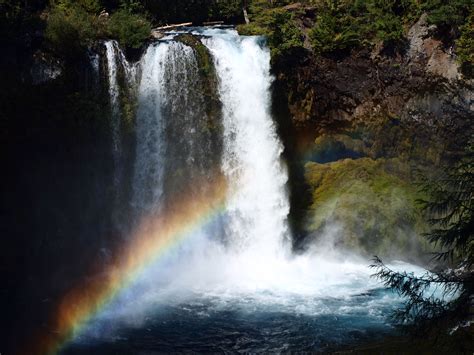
[[389, 30], [277, 24], [465, 47], [332, 34], [285, 34], [69, 28], [90, 6], [343, 25], [447, 15], [130, 29]]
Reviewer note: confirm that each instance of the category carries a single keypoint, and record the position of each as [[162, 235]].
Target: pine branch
[[420, 304]]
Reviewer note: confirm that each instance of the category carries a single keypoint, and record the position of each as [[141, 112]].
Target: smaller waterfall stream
[[150, 151], [112, 73]]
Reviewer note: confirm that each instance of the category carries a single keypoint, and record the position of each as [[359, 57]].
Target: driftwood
[[170, 27], [246, 16]]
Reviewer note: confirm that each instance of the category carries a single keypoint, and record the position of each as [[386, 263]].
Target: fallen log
[[246, 16], [170, 27]]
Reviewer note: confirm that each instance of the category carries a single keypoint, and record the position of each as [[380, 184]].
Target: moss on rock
[[209, 79], [374, 202]]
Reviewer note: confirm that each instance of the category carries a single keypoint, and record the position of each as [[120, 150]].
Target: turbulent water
[[233, 284]]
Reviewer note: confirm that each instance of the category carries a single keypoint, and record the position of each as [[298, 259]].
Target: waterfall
[[258, 204], [220, 275], [175, 148]]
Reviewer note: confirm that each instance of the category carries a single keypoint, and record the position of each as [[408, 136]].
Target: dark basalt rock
[[332, 96]]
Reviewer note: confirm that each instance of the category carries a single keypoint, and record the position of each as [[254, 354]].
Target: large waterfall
[[228, 277]]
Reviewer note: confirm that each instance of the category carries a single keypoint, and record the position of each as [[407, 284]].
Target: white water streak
[[148, 171], [114, 92]]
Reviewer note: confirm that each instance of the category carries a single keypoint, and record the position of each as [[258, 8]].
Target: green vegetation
[[454, 22], [70, 27], [73, 25], [229, 10], [196, 11], [285, 33], [330, 26], [450, 204], [278, 24], [16, 19], [202, 53], [448, 16], [130, 29], [340, 26], [333, 33], [11, 13], [465, 47], [343, 25]]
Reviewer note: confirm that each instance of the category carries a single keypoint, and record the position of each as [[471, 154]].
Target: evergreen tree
[[441, 298]]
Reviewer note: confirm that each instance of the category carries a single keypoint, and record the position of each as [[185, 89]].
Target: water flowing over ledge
[[225, 262]]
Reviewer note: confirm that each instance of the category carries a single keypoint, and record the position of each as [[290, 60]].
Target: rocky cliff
[[361, 128]]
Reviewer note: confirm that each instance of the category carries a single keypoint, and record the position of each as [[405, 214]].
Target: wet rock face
[[328, 90], [422, 88], [44, 68], [209, 81]]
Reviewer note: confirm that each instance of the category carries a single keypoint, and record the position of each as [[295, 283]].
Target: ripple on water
[[246, 323]]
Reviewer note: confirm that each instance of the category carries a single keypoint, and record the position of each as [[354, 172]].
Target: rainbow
[[151, 240]]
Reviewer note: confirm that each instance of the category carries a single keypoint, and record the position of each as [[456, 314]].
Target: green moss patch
[[373, 201]]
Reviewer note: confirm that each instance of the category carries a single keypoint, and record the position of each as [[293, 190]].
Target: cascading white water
[[173, 150], [148, 172], [170, 112], [258, 203], [114, 91], [172, 147]]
